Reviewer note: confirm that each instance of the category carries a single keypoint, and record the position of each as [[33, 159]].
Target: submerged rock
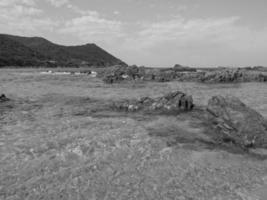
[[172, 102], [237, 123], [3, 98]]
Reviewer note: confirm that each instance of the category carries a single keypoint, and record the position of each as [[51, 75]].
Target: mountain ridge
[[40, 51]]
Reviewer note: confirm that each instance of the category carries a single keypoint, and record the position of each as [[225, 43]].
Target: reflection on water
[[252, 94]]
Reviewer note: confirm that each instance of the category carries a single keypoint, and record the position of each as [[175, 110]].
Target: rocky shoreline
[[118, 74]]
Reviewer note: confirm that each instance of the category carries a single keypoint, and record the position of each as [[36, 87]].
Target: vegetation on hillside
[[36, 51]]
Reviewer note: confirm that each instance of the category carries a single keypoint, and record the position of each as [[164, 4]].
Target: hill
[[25, 51], [13, 53]]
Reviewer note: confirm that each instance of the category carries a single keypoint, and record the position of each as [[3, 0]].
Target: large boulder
[[3, 98], [133, 72], [114, 74], [173, 102], [262, 78], [237, 123]]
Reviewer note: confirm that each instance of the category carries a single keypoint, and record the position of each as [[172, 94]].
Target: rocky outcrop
[[232, 75], [181, 68], [173, 102], [3, 98], [114, 74], [120, 73], [182, 73], [236, 123]]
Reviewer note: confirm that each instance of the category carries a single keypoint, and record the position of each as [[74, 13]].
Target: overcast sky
[[149, 32]]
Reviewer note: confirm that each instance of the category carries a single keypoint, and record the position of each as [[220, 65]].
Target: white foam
[[93, 74]]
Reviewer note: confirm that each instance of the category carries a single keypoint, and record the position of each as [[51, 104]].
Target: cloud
[[23, 17], [14, 2], [80, 11], [185, 31], [178, 40], [20, 10], [116, 12], [195, 41], [58, 3], [92, 27]]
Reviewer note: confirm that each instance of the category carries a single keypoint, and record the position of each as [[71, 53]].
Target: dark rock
[[172, 102], [133, 72], [236, 123], [3, 98], [181, 68], [262, 78]]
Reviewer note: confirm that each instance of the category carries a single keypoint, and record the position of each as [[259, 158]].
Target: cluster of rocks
[[3, 98], [228, 119], [122, 72], [235, 122], [257, 68], [182, 73], [178, 72], [232, 75], [173, 102]]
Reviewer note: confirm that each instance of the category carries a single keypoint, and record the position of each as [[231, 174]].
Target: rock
[[120, 73], [110, 79], [133, 72], [232, 75], [172, 102], [262, 78], [222, 76], [236, 122], [181, 68], [3, 98], [190, 76], [165, 76]]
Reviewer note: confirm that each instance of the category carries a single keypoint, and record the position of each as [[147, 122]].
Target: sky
[[156, 33]]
